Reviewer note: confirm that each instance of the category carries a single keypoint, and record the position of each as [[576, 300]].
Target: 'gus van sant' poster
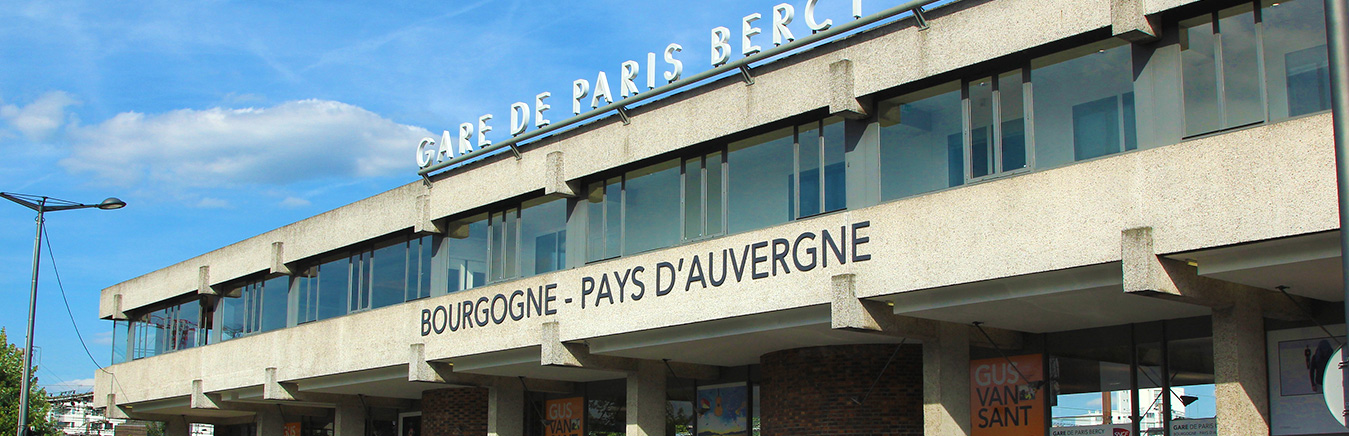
[[1002, 403], [723, 410]]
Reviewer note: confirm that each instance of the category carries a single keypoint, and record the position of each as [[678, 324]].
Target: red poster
[[1007, 398], [564, 417], [291, 429]]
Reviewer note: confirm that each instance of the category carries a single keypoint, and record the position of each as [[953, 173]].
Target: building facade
[[991, 220]]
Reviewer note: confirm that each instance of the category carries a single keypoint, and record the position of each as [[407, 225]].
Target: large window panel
[[543, 236], [1220, 67], [760, 179], [604, 201], [1241, 66], [835, 169], [274, 303], [502, 235], [389, 279], [1297, 68], [231, 313], [703, 195], [921, 142], [1084, 104], [651, 207], [420, 252], [466, 257], [809, 154]]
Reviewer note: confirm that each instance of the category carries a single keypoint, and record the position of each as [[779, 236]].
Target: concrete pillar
[[1239, 369], [349, 419], [506, 409], [646, 399], [946, 381], [176, 427], [270, 422]]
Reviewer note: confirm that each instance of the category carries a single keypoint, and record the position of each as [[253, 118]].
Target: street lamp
[[41, 205]]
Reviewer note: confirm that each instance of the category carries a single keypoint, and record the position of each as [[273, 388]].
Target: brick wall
[[810, 391], [454, 412]]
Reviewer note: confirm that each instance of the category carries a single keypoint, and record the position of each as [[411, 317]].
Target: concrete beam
[[555, 177], [946, 381], [349, 418], [506, 409], [425, 222], [1128, 22], [273, 389], [114, 411], [204, 281], [117, 313], [554, 352], [646, 399], [847, 312], [421, 370], [278, 259], [843, 99], [1146, 273], [1239, 370], [203, 400]]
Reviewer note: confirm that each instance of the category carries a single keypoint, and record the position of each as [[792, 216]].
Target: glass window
[[1189, 350], [1219, 64], [921, 142], [389, 279], [170, 328], [274, 296], [1296, 64], [997, 141], [420, 252], [703, 195], [332, 286], [503, 228], [1093, 378], [543, 236], [119, 335], [820, 167], [1084, 103], [760, 181], [231, 312], [605, 227], [466, 256], [651, 207], [606, 408]]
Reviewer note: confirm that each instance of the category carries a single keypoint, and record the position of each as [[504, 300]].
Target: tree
[[11, 372]]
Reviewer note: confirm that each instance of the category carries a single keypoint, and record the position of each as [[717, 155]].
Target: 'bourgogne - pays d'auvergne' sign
[[801, 253], [600, 92]]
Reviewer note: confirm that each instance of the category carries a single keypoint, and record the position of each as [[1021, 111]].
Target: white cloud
[[287, 143], [295, 202], [39, 119], [81, 385], [103, 338], [212, 203]]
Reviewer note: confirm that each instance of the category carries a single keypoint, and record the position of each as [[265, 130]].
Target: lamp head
[[112, 203]]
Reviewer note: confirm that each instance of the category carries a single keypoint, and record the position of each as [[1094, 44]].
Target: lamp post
[[42, 205]]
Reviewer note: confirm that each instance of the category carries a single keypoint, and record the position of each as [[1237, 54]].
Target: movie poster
[[564, 417], [723, 410], [1297, 362], [1002, 403]]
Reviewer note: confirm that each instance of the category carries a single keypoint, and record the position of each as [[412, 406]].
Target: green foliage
[[11, 372]]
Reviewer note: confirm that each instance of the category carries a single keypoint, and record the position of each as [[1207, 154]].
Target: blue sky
[[218, 120]]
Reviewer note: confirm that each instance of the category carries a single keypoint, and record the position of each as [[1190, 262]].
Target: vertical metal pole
[[1337, 17], [26, 384]]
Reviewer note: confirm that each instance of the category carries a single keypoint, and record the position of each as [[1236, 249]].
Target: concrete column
[[1239, 369], [506, 409], [176, 427], [349, 419], [270, 422], [646, 399], [946, 381]]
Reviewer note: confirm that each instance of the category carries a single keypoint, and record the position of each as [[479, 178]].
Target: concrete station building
[[1012, 217]]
